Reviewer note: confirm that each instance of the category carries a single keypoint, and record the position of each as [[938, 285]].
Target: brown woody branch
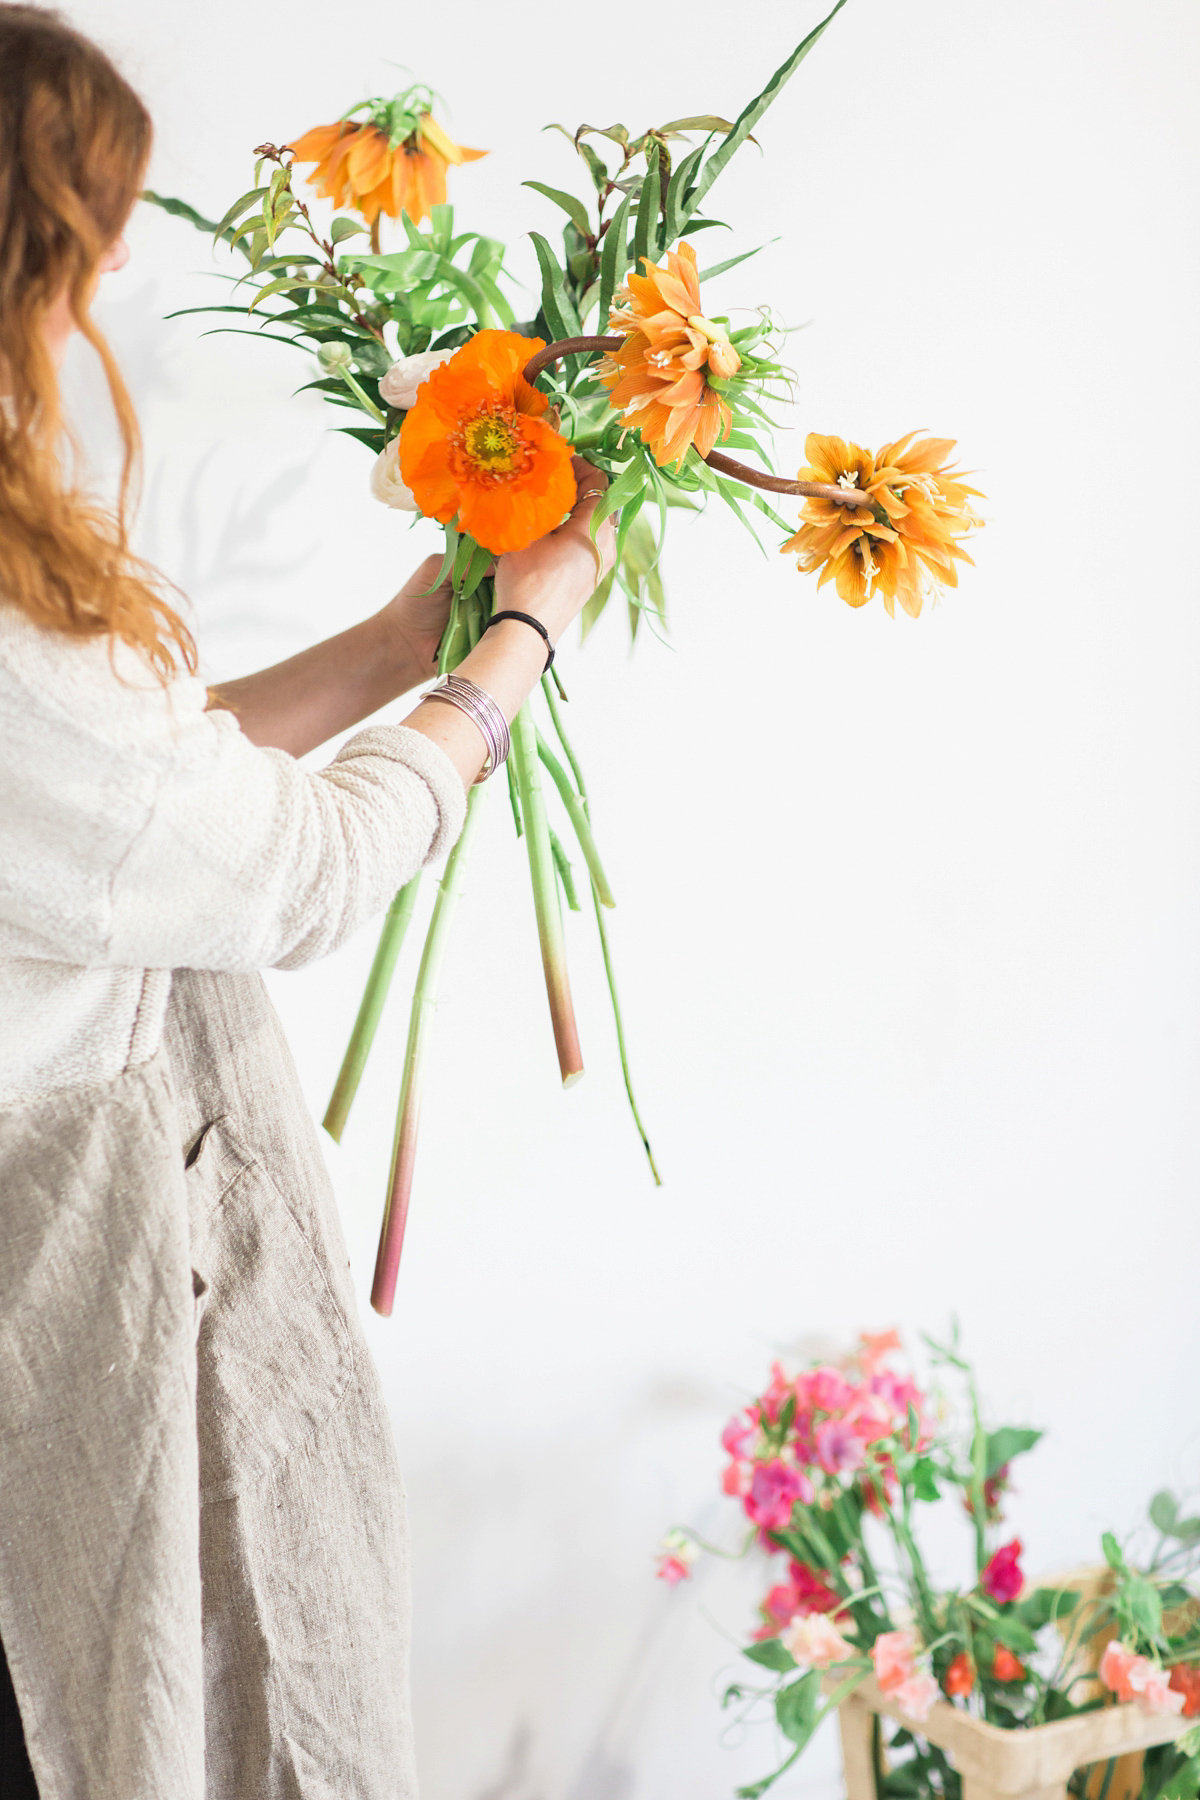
[[724, 465]]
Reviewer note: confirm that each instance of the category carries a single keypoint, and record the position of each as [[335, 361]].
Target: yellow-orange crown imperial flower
[[392, 162], [659, 379], [906, 544], [475, 447]]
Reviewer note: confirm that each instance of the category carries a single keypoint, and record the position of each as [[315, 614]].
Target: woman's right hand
[[551, 581], [555, 577]]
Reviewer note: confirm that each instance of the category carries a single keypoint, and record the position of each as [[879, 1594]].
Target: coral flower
[[894, 1655], [659, 379], [475, 448], [907, 544], [960, 1676], [1006, 1666], [362, 166], [1185, 1680]]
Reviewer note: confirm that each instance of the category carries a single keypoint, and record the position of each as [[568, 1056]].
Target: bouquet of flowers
[[472, 418], [831, 1467]]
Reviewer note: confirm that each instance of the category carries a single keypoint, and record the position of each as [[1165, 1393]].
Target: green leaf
[[1112, 1553], [700, 122], [1144, 1604], [924, 1481], [1184, 1784], [1009, 1441], [1164, 1510], [614, 260], [557, 305], [647, 211], [1046, 1604], [796, 1707], [677, 193], [179, 209], [573, 207], [750, 115], [247, 200], [731, 262], [1013, 1631], [344, 228], [596, 168], [772, 1655]]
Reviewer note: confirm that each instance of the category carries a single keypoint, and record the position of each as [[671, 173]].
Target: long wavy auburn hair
[[74, 142]]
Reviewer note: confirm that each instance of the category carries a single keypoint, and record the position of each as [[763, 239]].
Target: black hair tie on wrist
[[526, 619]]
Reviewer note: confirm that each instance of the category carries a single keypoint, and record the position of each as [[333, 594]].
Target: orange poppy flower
[[359, 167], [907, 544], [475, 447], [659, 379]]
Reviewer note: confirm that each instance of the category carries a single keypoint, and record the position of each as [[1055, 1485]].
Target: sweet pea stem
[[725, 465], [424, 1007], [395, 926], [545, 896]]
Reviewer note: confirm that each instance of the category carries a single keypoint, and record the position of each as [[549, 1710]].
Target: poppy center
[[491, 442]]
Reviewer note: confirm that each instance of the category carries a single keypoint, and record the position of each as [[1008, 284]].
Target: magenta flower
[[774, 1490], [826, 1389], [839, 1447], [1002, 1578], [737, 1435]]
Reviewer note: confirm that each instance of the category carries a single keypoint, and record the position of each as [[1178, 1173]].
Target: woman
[[203, 1585]]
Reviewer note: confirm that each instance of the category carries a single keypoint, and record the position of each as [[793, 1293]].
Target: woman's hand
[[555, 577], [415, 620]]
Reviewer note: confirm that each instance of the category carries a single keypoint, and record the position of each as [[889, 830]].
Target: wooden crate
[[1034, 1764]]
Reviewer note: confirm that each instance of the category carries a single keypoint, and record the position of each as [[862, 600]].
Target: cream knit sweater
[[140, 833]]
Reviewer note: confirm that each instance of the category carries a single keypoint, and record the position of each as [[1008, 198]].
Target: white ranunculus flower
[[399, 386], [387, 484]]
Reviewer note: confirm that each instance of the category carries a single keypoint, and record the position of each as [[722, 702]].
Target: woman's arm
[[303, 702]]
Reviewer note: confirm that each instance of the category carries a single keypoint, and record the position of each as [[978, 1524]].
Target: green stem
[[610, 974], [545, 896], [978, 1482], [565, 874], [578, 818], [395, 926], [364, 399], [424, 1007], [609, 971]]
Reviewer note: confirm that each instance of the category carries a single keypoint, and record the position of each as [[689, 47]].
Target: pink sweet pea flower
[[815, 1642], [804, 1593], [1137, 1678], [827, 1389], [839, 1447], [737, 1434], [736, 1478], [893, 1654], [916, 1696], [675, 1558], [1002, 1578], [774, 1489]]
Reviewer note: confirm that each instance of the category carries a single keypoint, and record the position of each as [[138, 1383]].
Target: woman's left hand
[[416, 619]]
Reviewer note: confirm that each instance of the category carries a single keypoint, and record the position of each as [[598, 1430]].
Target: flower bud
[[335, 357], [723, 359], [387, 483], [399, 386]]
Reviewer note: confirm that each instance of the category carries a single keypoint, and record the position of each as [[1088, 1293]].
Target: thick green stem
[[566, 876], [545, 896], [395, 925], [579, 820], [424, 1006]]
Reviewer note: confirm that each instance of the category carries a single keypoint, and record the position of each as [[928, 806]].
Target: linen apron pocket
[[274, 1354]]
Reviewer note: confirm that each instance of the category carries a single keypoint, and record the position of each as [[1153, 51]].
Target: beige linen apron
[[203, 1543]]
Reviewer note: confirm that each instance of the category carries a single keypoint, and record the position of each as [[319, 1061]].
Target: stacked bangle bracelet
[[483, 713]]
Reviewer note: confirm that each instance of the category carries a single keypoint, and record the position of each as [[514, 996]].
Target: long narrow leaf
[[557, 305], [571, 205], [749, 117], [647, 212], [614, 259]]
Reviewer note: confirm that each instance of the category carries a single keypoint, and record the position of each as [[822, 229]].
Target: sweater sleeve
[[247, 860]]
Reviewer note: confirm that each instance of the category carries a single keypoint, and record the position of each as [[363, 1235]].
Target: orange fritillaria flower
[[659, 379], [475, 447], [359, 167], [907, 544]]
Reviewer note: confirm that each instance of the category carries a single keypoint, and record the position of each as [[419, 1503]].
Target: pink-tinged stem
[[420, 1026], [724, 465], [545, 896]]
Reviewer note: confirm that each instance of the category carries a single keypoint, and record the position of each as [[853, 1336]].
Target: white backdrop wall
[[908, 912]]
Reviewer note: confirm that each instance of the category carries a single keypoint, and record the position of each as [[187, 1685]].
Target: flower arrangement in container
[[472, 417], [995, 1686]]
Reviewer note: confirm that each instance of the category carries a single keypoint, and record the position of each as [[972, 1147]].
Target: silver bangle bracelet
[[483, 713]]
